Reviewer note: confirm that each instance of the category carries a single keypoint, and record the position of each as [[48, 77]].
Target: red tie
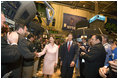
[[69, 47]]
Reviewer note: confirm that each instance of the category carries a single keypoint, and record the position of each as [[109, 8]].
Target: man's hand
[[36, 54], [72, 64], [83, 48], [61, 63], [83, 53], [12, 37], [103, 71], [113, 65]]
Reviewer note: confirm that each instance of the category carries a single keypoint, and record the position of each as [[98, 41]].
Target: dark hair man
[[69, 54], [24, 50], [95, 58]]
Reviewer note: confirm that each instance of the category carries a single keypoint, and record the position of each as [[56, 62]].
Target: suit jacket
[[68, 57], [94, 60], [24, 50], [11, 59], [30, 62]]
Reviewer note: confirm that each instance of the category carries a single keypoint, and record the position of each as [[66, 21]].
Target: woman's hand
[[36, 54]]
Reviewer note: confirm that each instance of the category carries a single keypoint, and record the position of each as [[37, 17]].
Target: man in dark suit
[[24, 50], [95, 58], [69, 53], [11, 59]]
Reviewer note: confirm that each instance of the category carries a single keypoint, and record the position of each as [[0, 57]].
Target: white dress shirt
[[70, 43]]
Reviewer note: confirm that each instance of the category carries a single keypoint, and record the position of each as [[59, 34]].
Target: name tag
[[83, 61], [113, 56]]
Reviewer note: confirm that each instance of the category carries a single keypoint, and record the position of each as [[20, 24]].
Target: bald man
[[11, 59]]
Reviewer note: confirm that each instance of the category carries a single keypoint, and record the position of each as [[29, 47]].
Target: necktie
[[69, 47]]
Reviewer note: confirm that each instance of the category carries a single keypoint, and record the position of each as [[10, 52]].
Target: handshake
[[36, 54]]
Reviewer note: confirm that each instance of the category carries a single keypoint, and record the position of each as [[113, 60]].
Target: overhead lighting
[[93, 1], [83, 5], [103, 10]]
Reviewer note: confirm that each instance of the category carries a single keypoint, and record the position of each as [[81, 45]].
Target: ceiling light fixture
[[83, 5]]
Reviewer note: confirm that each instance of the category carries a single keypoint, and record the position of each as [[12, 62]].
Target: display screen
[[71, 22]]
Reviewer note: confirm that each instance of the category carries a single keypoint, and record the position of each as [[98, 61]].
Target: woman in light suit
[[51, 57]]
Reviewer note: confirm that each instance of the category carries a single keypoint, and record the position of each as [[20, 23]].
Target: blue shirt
[[109, 53], [114, 55]]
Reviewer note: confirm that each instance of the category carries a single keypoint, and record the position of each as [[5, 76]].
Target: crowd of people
[[95, 57]]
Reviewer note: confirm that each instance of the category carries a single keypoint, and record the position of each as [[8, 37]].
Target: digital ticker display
[[97, 17]]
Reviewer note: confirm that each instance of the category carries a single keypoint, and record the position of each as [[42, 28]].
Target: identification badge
[[113, 56], [83, 61]]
